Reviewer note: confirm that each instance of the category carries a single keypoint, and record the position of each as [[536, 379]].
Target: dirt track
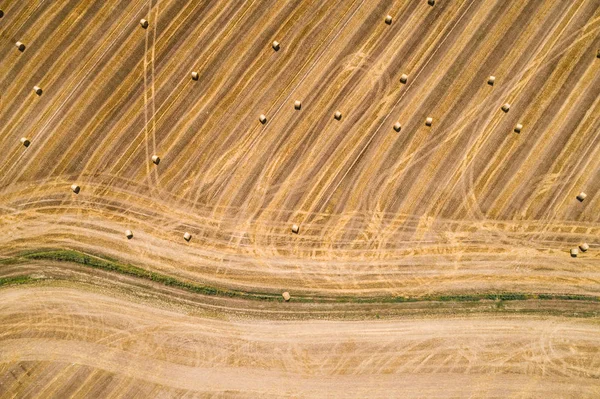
[[464, 206]]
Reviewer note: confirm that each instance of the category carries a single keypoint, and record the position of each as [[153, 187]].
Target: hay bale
[[295, 229], [404, 78], [429, 121], [20, 46], [76, 189], [297, 104], [144, 23], [518, 128], [574, 252], [598, 54], [584, 247], [431, 2], [25, 141], [286, 296], [581, 196], [337, 115], [397, 126], [276, 46], [156, 159], [262, 119], [195, 75], [388, 20], [187, 236], [491, 80], [38, 90], [1, 13], [506, 107], [129, 234]]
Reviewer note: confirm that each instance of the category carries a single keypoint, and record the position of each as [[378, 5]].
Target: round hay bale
[[187, 236], [429, 121], [155, 159], [75, 188], [337, 115], [404, 78], [262, 119], [276, 45], [584, 247], [431, 2], [195, 75], [129, 234], [518, 128], [574, 252], [297, 104], [286, 296], [20, 46], [581, 196], [388, 20], [144, 23], [38, 90], [506, 107], [397, 126], [491, 80], [25, 141], [1, 13], [295, 229]]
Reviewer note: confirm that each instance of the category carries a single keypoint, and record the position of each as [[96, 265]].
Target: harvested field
[[423, 254]]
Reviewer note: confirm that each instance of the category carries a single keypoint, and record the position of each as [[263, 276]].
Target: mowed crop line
[[257, 66], [480, 185], [75, 44], [171, 102], [357, 76], [480, 54], [518, 90], [128, 114], [131, 120], [250, 77], [95, 122], [464, 42], [352, 80], [316, 60], [59, 108], [251, 136], [364, 148], [23, 109], [457, 127]]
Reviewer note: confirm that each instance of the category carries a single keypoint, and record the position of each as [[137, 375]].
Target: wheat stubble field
[[432, 260]]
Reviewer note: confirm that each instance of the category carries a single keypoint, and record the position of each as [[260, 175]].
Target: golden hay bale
[[518, 128]]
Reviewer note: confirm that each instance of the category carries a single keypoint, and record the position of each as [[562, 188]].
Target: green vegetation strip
[[130, 270]]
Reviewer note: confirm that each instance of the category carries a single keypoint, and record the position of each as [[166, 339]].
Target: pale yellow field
[[405, 237]]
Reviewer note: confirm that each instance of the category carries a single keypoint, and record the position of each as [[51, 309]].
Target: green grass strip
[[130, 270]]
